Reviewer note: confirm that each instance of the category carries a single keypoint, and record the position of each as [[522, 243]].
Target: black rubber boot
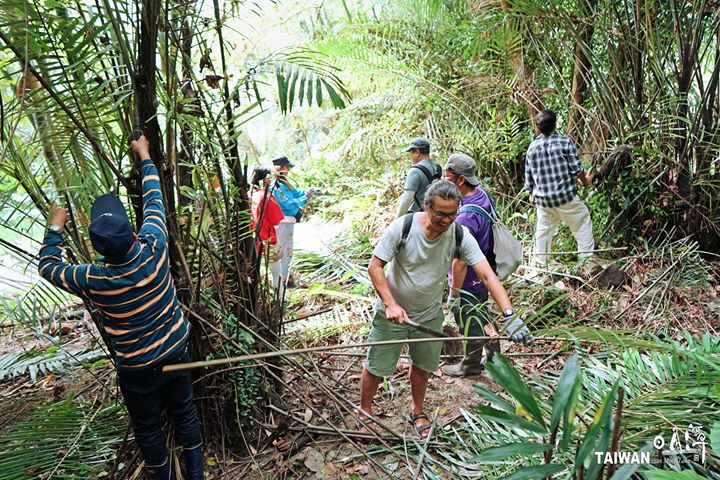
[[491, 348], [471, 364], [194, 463], [161, 472]]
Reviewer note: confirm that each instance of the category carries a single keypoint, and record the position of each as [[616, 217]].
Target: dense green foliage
[[635, 80]]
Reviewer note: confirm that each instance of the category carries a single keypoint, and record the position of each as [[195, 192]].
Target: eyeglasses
[[443, 215], [451, 175]]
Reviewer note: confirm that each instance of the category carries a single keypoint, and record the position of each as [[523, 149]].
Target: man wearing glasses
[[413, 287]]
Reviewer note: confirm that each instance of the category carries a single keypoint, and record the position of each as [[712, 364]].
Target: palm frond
[[64, 441]]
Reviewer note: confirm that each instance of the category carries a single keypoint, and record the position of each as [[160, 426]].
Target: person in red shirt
[[266, 213]]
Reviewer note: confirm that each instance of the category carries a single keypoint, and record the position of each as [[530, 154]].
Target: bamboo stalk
[[450, 357], [298, 351]]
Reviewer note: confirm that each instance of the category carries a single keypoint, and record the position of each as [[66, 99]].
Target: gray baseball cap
[[463, 165], [419, 143]]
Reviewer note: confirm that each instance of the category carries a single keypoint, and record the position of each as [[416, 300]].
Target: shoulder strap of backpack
[[458, 239], [472, 208], [429, 177], [493, 207], [427, 173], [407, 225]]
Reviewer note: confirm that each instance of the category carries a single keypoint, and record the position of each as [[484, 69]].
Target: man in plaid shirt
[[551, 166]]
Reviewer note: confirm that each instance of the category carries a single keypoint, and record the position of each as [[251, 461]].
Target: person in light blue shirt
[[291, 201]]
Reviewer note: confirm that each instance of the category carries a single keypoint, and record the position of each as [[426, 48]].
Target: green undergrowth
[[656, 394]]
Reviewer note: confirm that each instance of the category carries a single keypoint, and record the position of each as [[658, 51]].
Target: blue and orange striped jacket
[[136, 296]]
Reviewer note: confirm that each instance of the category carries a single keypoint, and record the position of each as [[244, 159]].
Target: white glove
[[314, 191], [517, 331]]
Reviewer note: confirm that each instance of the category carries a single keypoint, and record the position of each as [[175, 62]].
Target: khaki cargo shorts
[[382, 359]]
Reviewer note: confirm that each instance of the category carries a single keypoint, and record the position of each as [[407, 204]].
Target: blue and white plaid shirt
[[551, 165]]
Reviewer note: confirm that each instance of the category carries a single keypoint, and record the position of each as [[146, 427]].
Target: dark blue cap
[[283, 162], [110, 230]]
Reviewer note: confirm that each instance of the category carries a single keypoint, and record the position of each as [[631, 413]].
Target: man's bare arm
[[393, 311], [493, 284]]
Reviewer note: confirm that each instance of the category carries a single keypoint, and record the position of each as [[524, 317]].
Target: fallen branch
[[305, 317], [334, 431], [652, 285]]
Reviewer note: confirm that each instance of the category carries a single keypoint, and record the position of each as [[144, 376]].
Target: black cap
[[282, 162], [418, 143], [110, 230]]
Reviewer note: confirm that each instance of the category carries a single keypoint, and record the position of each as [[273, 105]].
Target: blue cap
[[110, 231]]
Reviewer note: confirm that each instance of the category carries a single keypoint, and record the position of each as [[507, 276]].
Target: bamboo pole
[[448, 357], [324, 348]]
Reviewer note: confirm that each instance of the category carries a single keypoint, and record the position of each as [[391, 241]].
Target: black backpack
[[407, 224], [430, 178]]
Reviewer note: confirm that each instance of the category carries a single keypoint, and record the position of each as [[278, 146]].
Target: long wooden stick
[[451, 357], [324, 348]]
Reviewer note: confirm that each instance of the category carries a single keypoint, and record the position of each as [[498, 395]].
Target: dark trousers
[[147, 393], [473, 314], [471, 317]]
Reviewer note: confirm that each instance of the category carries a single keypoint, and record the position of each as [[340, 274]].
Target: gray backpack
[[508, 251]]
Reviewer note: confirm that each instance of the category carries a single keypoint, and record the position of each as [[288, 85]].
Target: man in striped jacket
[[134, 292]]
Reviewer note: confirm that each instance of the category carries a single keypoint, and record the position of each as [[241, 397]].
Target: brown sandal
[[420, 429]]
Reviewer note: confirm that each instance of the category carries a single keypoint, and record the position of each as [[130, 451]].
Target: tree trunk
[[581, 72], [525, 77], [145, 98]]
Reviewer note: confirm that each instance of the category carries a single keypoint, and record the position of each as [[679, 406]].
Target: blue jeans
[[150, 391]]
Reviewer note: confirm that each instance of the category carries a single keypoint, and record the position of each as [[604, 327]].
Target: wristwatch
[[508, 312], [56, 228]]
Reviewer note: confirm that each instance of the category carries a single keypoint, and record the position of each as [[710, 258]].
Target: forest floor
[[640, 292], [656, 294], [326, 454]]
